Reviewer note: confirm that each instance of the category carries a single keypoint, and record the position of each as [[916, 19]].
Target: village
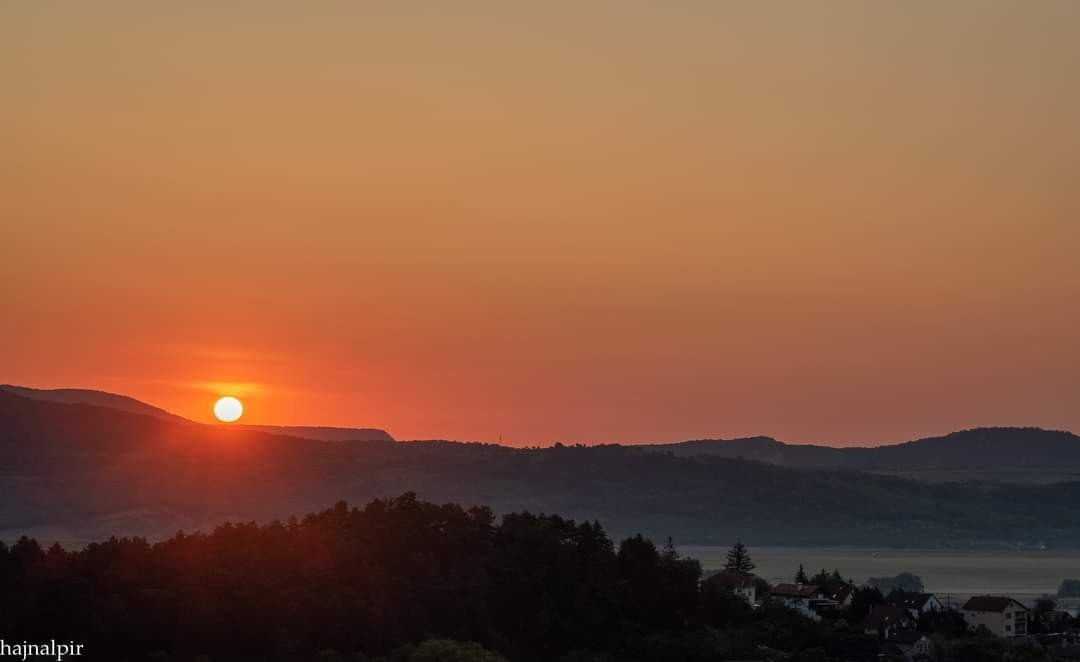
[[907, 622]]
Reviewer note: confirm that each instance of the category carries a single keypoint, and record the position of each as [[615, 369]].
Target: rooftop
[[795, 590], [731, 579], [908, 600], [990, 603], [885, 616]]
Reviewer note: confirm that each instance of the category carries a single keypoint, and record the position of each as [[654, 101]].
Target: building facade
[[737, 583], [1001, 615]]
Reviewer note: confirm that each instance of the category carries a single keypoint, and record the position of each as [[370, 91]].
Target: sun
[[228, 409]]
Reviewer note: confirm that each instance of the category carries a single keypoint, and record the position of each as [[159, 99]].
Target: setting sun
[[493, 308], [228, 409]]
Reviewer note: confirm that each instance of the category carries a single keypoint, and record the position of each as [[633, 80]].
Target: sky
[[834, 222]]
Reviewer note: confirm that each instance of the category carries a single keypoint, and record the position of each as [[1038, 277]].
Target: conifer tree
[[800, 576], [738, 559]]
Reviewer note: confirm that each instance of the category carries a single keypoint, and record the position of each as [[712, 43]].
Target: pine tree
[[800, 576], [738, 559]]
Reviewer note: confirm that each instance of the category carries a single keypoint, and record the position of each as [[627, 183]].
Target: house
[[803, 598], [917, 604], [910, 644], [843, 596], [884, 621], [737, 583], [1000, 614]]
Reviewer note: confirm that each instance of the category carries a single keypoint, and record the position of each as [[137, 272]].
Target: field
[[951, 574]]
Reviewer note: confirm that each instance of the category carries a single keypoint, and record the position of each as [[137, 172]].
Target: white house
[[1000, 614], [803, 598], [741, 585], [843, 596]]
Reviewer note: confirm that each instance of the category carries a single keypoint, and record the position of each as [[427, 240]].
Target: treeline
[[403, 580], [398, 579]]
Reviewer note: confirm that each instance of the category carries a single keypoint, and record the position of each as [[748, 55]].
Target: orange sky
[[839, 222]]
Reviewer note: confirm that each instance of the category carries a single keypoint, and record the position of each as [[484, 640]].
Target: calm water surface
[[960, 573]]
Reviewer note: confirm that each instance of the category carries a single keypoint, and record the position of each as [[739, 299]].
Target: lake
[[955, 574]]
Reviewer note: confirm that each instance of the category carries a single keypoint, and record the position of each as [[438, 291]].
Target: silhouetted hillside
[[984, 454], [91, 397], [1007, 454], [79, 471], [128, 404], [322, 432]]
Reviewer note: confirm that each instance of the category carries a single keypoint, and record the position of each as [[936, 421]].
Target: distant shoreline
[[956, 573]]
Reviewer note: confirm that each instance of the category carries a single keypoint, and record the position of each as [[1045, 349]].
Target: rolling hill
[[78, 471], [90, 397], [323, 432], [128, 404], [1024, 455]]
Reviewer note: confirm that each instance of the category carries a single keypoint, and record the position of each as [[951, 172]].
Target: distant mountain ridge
[[322, 432], [96, 398], [1003, 454], [131, 405], [73, 471], [1012, 454]]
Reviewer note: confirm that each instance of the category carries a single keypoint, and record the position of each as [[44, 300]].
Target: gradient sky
[[839, 222]]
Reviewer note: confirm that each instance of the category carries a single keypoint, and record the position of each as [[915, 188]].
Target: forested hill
[[1028, 455], [983, 454], [79, 471]]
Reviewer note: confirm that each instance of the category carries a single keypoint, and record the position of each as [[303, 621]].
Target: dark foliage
[[401, 578], [800, 576], [738, 559], [863, 600], [830, 582]]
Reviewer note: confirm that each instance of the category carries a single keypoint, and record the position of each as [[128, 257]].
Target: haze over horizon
[[848, 223], [70, 396]]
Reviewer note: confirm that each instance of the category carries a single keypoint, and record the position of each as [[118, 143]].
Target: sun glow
[[228, 409]]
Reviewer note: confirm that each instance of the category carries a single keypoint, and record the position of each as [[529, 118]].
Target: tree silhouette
[[738, 559], [800, 576], [670, 553], [402, 580]]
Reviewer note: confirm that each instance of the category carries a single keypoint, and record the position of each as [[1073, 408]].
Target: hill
[[76, 471], [91, 397], [1026, 455], [128, 404], [323, 432]]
